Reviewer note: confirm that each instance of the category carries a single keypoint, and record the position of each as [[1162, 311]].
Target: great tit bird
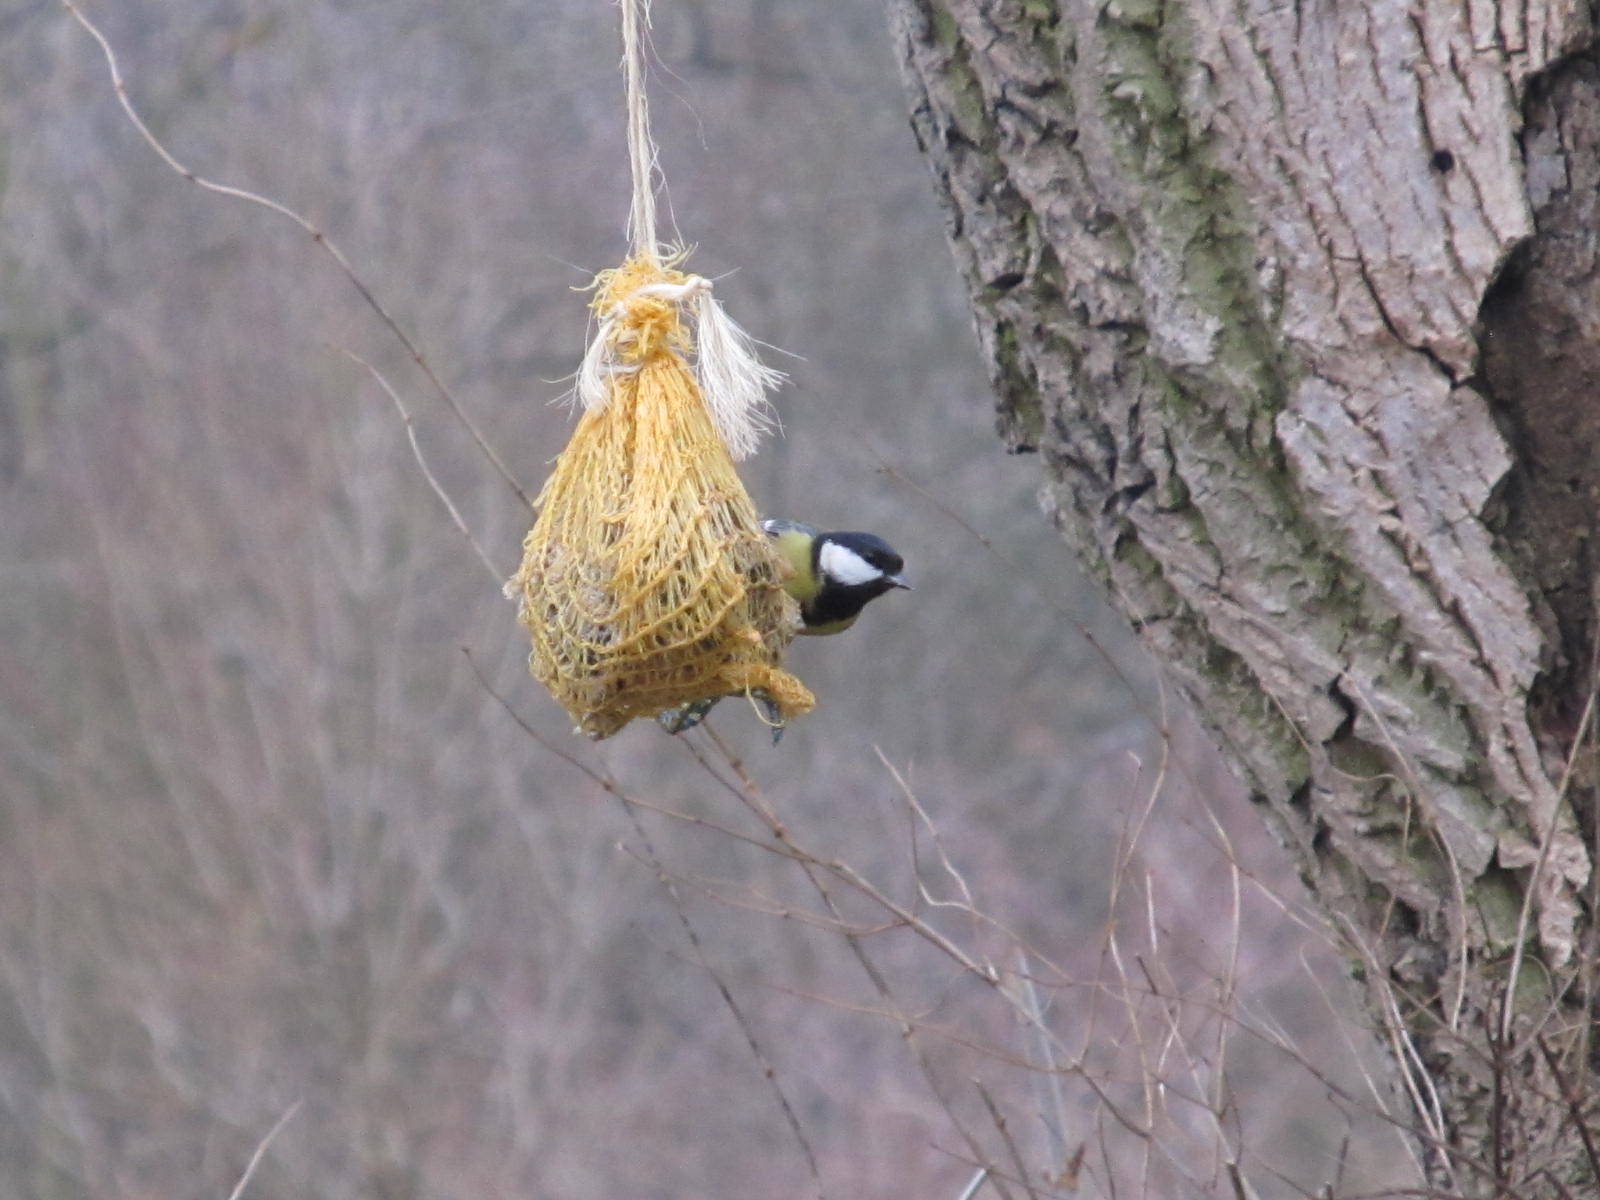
[[833, 576]]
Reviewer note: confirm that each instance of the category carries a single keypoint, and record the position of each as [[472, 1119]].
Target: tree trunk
[[1298, 305]]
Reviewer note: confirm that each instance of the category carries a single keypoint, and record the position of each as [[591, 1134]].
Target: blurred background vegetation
[[265, 839]]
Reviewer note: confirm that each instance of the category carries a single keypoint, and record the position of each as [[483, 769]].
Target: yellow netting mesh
[[646, 580]]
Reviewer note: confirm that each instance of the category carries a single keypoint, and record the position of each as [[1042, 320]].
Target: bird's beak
[[898, 581]]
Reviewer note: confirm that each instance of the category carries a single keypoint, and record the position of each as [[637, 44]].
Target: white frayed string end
[[592, 386], [732, 378]]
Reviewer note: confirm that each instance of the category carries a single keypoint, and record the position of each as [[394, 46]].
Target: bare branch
[[261, 1150], [317, 236], [498, 576]]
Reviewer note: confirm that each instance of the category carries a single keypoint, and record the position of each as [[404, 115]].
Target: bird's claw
[[687, 716], [680, 720], [771, 715]]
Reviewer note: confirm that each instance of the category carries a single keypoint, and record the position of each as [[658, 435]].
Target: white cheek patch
[[844, 565]]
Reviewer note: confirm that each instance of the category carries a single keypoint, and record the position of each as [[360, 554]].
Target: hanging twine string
[[638, 305], [641, 149]]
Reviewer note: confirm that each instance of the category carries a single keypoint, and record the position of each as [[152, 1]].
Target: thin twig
[[1003, 1127], [1242, 1188], [1546, 842], [1413, 1071], [919, 816], [1415, 789], [1561, 1188], [317, 236], [768, 1072], [1053, 1105], [970, 963], [1228, 992], [996, 1175], [605, 782], [261, 1150], [908, 1028], [630, 805], [1497, 1103], [1571, 1097], [427, 471]]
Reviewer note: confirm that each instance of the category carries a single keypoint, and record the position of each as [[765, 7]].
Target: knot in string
[[641, 312]]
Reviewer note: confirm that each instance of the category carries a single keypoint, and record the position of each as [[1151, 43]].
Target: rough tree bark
[[1298, 304]]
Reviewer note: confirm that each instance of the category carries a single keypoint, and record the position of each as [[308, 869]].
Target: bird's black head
[[859, 561], [844, 573]]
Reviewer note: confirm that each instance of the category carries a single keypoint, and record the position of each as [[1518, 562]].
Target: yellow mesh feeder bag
[[646, 582]]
